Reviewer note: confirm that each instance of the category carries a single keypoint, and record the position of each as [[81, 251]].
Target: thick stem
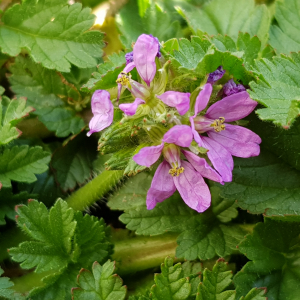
[[94, 190]]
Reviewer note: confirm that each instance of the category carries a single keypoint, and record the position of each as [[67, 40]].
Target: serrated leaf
[[171, 283], [255, 294], [278, 89], [274, 190], [11, 113], [55, 34], [285, 37], [5, 285], [72, 163], [229, 18], [215, 282], [273, 251], [47, 92], [192, 270], [20, 163], [102, 284]]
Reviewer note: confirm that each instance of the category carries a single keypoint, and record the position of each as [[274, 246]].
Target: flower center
[[218, 124], [175, 171], [124, 79]]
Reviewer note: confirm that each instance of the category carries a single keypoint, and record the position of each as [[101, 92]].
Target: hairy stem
[[94, 190]]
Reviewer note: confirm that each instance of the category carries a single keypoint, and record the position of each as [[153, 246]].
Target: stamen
[[124, 79], [176, 171], [218, 124]]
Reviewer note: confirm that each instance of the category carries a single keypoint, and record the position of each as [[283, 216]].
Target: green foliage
[[102, 284], [11, 113], [72, 163], [49, 93], [284, 37], [277, 88], [63, 241], [54, 34], [5, 285], [229, 17], [20, 163], [273, 251]]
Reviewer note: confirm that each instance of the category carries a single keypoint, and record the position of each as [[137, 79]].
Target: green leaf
[[47, 92], [229, 18], [107, 73], [171, 283], [274, 190], [272, 249], [278, 89], [285, 37], [73, 162], [192, 270], [62, 243], [11, 113], [215, 282], [255, 294], [55, 34], [102, 284], [20, 163], [5, 285]]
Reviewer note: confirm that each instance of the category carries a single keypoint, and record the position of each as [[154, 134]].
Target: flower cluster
[[193, 129]]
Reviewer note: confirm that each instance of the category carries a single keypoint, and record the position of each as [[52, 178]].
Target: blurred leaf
[[55, 34]]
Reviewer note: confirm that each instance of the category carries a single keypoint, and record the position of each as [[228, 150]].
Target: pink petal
[[144, 53], [239, 141], [103, 111], [180, 135], [220, 158], [162, 186], [130, 108], [202, 166], [176, 99], [192, 188], [195, 133], [148, 156], [232, 108], [138, 90], [203, 98], [129, 67]]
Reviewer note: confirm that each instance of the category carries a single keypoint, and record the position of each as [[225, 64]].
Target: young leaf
[[5, 285], [20, 163], [274, 190], [285, 37], [55, 34], [49, 94], [272, 249], [278, 89], [102, 284], [171, 283], [229, 18], [11, 112], [62, 243]]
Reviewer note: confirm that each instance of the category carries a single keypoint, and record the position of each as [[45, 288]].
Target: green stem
[[94, 190], [141, 253]]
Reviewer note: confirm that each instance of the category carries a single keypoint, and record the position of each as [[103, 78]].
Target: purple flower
[[176, 99], [130, 108], [174, 173], [225, 140], [102, 110], [129, 57], [231, 88], [216, 75]]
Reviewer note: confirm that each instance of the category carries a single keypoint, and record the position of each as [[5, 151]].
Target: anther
[[176, 171], [218, 124]]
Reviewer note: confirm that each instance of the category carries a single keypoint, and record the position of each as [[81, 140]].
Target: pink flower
[[142, 58], [181, 101], [103, 111], [225, 140], [174, 173]]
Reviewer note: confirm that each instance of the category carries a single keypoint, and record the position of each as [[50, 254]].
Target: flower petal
[[203, 98], [216, 75], [195, 133], [162, 186], [202, 167], [149, 155], [103, 111], [220, 158], [129, 67], [239, 141], [176, 99], [180, 135], [192, 188], [130, 108], [144, 53], [231, 88], [232, 108]]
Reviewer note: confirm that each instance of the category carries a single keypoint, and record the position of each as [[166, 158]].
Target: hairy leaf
[[20, 163], [5, 285], [55, 34], [102, 284]]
